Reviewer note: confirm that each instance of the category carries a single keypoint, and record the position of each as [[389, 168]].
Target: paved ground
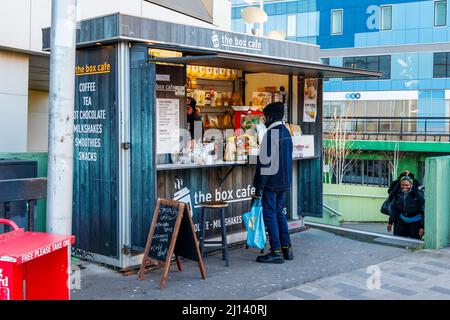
[[416, 275], [318, 255]]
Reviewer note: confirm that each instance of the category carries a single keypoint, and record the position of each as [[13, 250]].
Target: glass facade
[[368, 108], [364, 25]]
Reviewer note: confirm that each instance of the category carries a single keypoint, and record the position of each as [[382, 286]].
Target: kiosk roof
[[258, 64]]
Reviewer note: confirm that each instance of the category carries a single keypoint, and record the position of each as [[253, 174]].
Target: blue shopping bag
[[254, 222]]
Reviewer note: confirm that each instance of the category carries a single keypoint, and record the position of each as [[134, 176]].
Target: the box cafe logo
[[234, 41], [353, 96]]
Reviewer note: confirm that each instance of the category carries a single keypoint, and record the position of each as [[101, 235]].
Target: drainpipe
[[60, 134]]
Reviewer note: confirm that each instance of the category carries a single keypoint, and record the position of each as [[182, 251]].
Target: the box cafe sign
[[117, 26], [229, 40]]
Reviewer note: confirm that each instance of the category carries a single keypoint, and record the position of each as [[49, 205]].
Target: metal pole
[[60, 135]]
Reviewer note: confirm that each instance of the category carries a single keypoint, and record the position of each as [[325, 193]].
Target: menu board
[[170, 107], [163, 231], [96, 150], [168, 125], [171, 233]]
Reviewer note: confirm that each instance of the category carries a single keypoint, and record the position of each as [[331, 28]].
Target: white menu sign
[[168, 125]]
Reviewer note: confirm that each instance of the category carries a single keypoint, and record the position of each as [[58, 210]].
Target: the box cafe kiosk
[[132, 79]]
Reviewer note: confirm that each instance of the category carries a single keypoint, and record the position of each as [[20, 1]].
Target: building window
[[292, 25], [372, 63], [368, 172], [386, 18], [441, 65], [440, 13], [337, 18]]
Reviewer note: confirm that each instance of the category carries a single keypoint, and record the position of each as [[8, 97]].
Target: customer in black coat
[[407, 213]]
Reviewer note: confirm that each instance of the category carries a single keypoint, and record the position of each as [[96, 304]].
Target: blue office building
[[407, 40]]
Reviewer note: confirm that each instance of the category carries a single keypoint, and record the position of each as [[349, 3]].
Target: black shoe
[[271, 257], [288, 254]]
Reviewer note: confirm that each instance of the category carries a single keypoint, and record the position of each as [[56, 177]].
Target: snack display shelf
[[220, 163], [182, 166]]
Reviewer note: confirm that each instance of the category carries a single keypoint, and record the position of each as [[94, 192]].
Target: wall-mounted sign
[[310, 101], [229, 40], [96, 148], [371, 95]]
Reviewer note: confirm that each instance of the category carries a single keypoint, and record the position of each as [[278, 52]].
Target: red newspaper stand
[[33, 265]]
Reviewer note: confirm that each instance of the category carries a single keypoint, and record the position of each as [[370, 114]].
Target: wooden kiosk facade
[[118, 174]]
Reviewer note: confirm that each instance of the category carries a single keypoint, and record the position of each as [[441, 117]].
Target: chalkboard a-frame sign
[[172, 232]]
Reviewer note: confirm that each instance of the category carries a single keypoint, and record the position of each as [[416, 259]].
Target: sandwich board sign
[[171, 233]]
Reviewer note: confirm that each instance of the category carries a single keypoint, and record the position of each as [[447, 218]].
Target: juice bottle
[[211, 96]]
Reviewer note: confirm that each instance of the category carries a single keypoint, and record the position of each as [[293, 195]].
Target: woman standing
[[408, 210]]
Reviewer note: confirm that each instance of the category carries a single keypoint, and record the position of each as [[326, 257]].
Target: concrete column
[[437, 202]]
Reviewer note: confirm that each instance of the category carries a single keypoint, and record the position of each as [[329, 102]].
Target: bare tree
[[339, 154]]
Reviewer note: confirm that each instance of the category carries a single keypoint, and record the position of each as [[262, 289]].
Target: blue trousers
[[273, 203]]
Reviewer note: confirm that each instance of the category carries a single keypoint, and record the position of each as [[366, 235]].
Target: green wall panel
[[41, 158]]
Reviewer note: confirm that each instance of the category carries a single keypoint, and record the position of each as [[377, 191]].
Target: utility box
[[33, 265], [16, 169]]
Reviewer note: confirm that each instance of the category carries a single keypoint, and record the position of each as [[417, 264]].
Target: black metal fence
[[393, 128]]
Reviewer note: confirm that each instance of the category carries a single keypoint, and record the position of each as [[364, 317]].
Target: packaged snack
[[209, 72], [188, 70], [222, 73], [201, 71], [194, 70], [229, 74], [216, 73]]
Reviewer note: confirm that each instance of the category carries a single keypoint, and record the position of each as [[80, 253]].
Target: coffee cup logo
[[215, 41]]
